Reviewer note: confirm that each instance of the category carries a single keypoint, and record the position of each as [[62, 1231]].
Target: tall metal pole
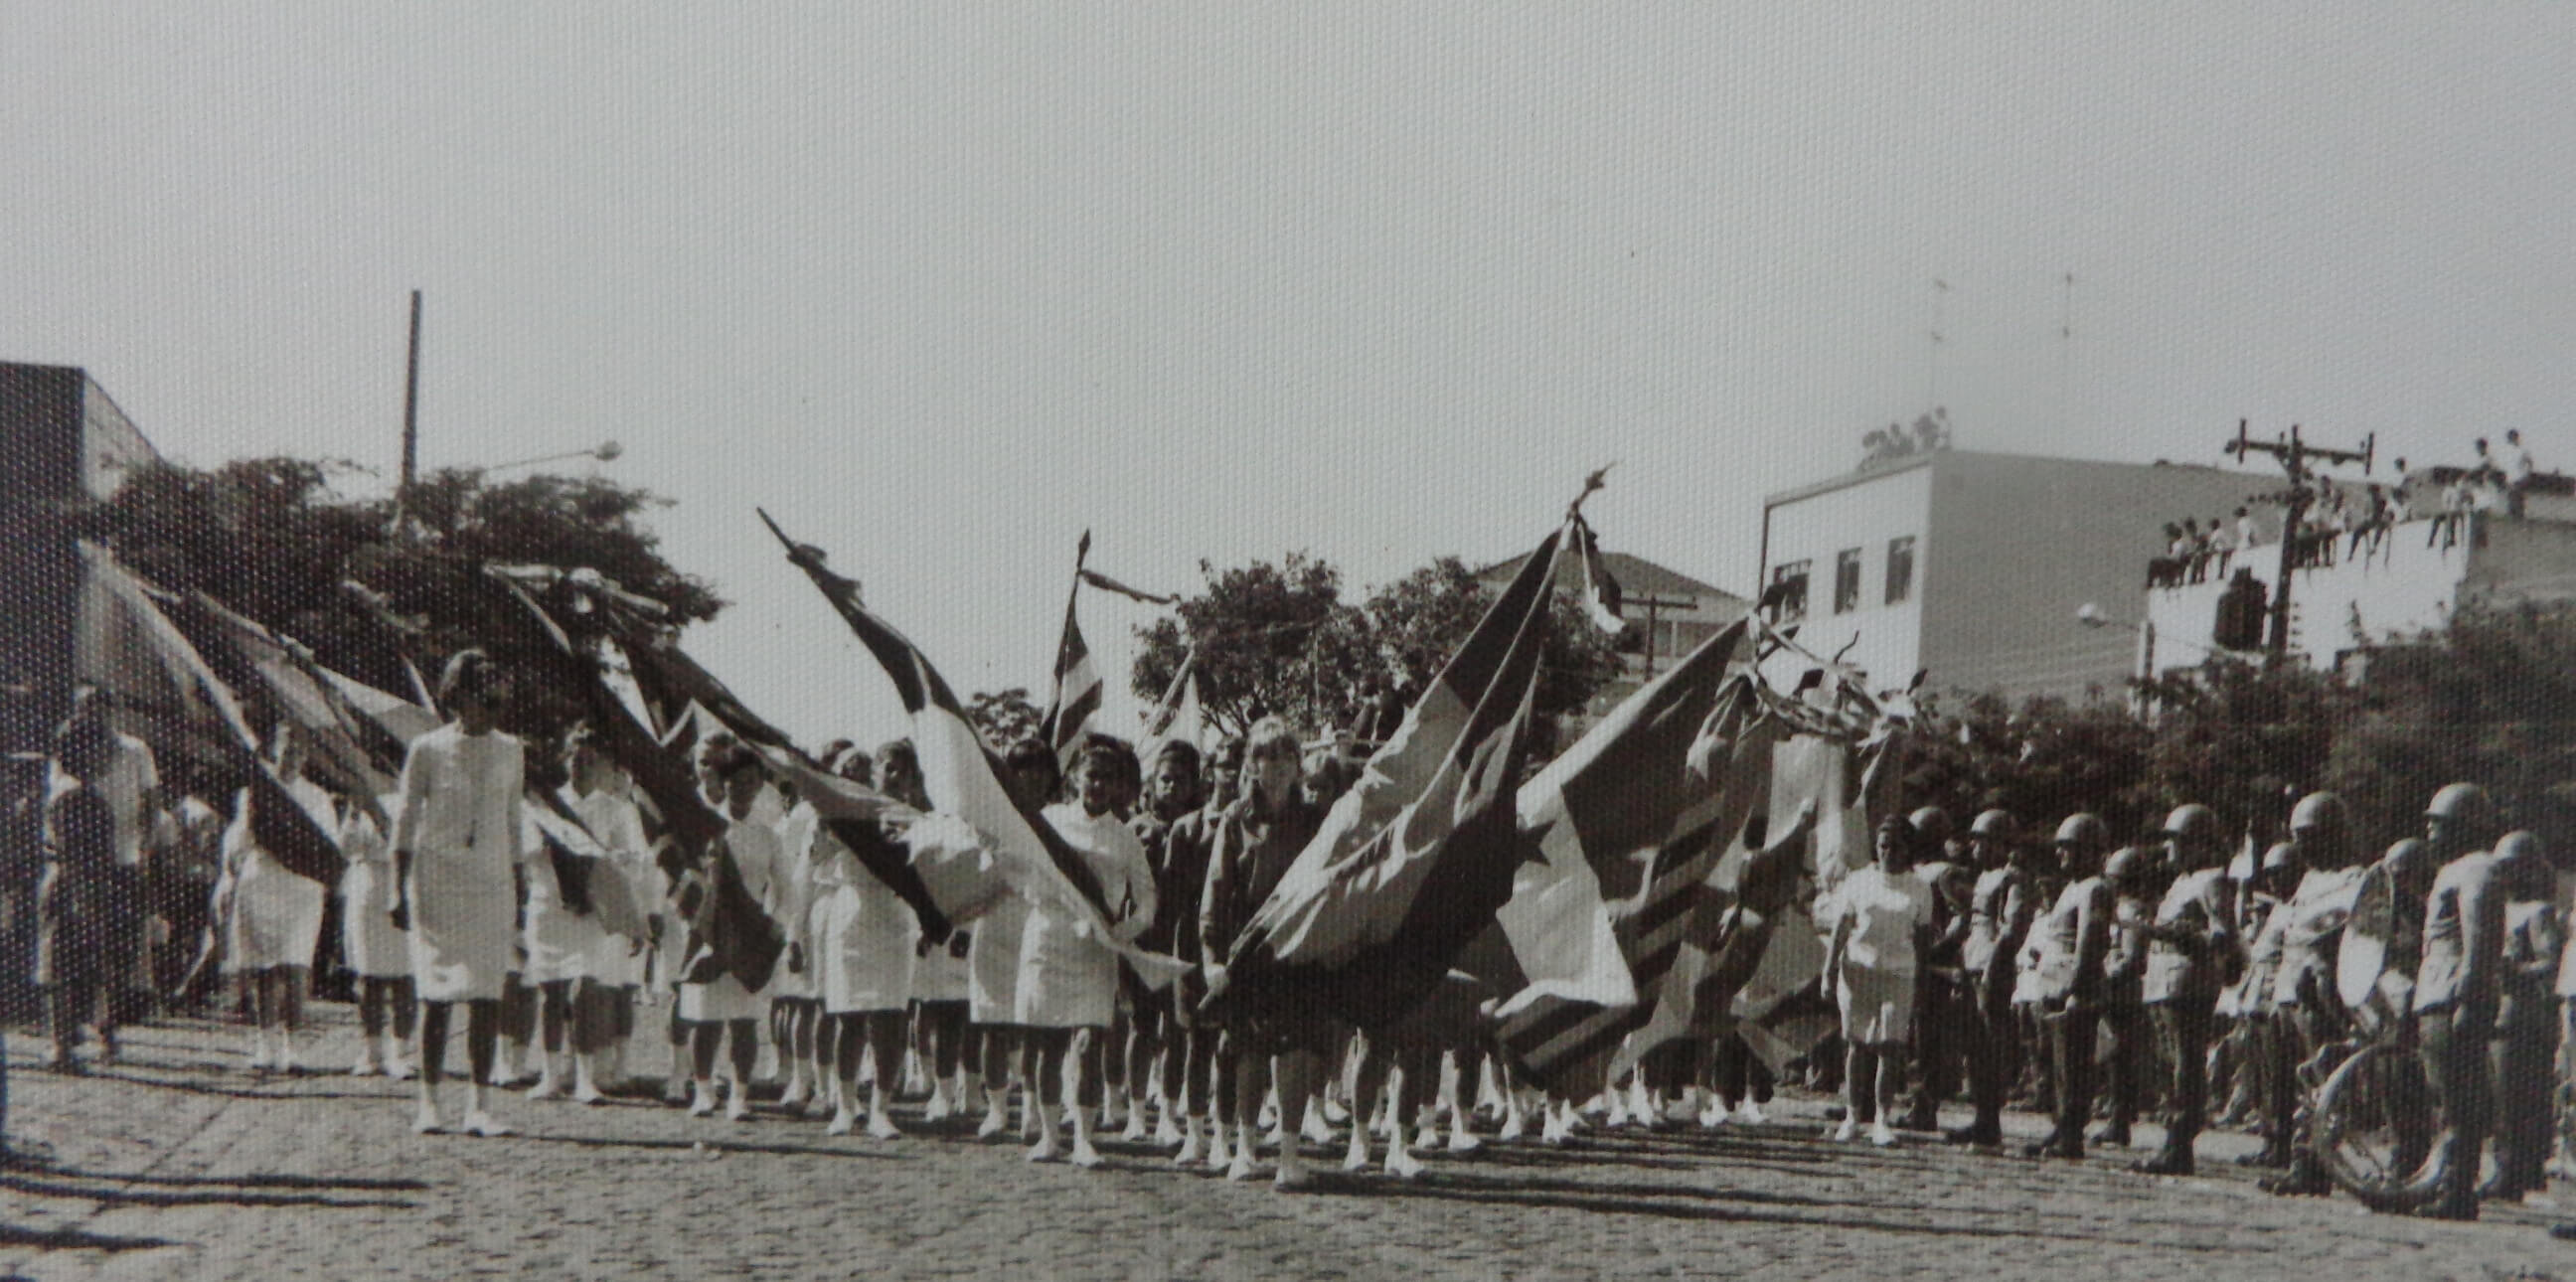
[[411, 408]]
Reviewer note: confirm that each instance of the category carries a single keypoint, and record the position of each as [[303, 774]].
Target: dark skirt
[[89, 925]]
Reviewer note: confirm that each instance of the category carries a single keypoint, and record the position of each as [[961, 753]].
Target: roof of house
[[1635, 575]]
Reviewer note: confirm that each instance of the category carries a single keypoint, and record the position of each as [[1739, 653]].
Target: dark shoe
[[2271, 1158], [2111, 1137], [2304, 1179], [1927, 1120], [2453, 1208], [1974, 1135], [2171, 1161]]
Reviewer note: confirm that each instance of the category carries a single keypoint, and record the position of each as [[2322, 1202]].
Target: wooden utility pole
[[1654, 604], [2294, 455], [411, 406]]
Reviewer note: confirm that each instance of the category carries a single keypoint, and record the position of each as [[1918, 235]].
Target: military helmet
[[2281, 856], [2126, 864], [1997, 824], [2462, 803], [2084, 828], [2192, 820], [2323, 810], [1931, 823]]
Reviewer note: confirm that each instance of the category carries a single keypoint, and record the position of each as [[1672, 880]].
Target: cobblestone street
[[177, 1165]]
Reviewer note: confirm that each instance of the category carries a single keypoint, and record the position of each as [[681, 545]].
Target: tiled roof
[[1635, 575]]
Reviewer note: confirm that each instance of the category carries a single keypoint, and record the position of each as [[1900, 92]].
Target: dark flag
[[1077, 683], [1415, 860]]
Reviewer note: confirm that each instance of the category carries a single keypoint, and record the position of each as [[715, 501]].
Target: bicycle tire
[[2375, 1121]]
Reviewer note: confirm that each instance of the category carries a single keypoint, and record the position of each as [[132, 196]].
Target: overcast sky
[[941, 285]]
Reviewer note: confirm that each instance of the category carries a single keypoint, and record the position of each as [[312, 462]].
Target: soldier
[[2132, 874], [1941, 1010], [2457, 987], [1999, 913], [2308, 1012], [2069, 947], [2188, 942], [2526, 1028]]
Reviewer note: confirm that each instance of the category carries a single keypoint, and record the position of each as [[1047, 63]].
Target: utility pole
[[2294, 455], [1654, 604], [411, 423]]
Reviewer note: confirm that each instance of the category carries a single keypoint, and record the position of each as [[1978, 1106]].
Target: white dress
[[370, 943], [863, 935], [615, 821], [1068, 978], [461, 818], [993, 961], [754, 843], [277, 913], [559, 942]]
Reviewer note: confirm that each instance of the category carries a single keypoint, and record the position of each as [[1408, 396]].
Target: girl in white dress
[[993, 965], [863, 953], [943, 1039], [273, 915], [1068, 978], [1882, 916], [370, 945], [722, 1011], [456, 841], [560, 940], [613, 974]]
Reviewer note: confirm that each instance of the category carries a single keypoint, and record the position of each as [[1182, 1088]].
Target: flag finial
[[1590, 483]]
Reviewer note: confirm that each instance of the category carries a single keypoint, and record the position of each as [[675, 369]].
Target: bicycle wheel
[[2376, 1121]]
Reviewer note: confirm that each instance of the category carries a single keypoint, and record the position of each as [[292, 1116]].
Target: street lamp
[[2094, 616], [605, 452]]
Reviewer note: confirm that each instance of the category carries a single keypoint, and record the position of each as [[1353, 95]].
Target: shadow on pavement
[[70, 1239], [221, 1193], [1636, 1200], [713, 1146]]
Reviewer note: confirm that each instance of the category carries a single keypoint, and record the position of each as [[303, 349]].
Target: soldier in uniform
[[2132, 872], [2457, 986], [2187, 943], [1998, 916], [2526, 1028], [2308, 1011], [2069, 947]]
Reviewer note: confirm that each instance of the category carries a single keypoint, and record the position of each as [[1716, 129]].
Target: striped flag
[[967, 780], [1600, 591], [1706, 790], [123, 643], [1077, 683], [1176, 715], [1419, 855]]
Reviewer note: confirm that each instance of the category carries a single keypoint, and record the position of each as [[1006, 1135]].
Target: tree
[[1004, 717], [1279, 639], [272, 539]]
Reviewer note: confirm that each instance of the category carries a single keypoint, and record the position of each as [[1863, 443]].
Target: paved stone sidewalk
[[178, 1165]]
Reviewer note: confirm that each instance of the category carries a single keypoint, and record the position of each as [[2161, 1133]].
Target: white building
[[1971, 567]]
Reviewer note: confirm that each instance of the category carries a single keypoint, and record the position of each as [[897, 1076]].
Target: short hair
[[1271, 734], [1032, 753], [894, 750], [469, 671], [1178, 749], [1101, 751], [734, 758]]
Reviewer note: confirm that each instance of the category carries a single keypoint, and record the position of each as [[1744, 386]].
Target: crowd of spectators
[[2352, 519]]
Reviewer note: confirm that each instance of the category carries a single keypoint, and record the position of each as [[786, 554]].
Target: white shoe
[[1881, 1136], [881, 1125], [738, 1105], [1750, 1113], [1713, 1116], [843, 1123], [1317, 1130], [1462, 1140], [1084, 1155], [996, 1121], [366, 1065], [478, 1122], [587, 1093], [259, 1059], [1045, 1149], [702, 1100], [1401, 1163], [286, 1062], [1848, 1131], [1219, 1154], [1291, 1177], [797, 1093], [1135, 1128], [1515, 1125], [1167, 1133], [397, 1069], [1191, 1151], [1358, 1158], [1240, 1168], [426, 1121], [547, 1087], [937, 1110]]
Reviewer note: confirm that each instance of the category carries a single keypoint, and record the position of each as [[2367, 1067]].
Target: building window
[[1900, 569], [1791, 579], [1846, 580]]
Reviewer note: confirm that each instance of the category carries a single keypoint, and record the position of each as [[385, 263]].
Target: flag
[[1106, 584], [1600, 591], [345, 749], [1419, 855], [1176, 715], [855, 814], [1077, 683], [123, 643], [967, 780], [1697, 739], [729, 933]]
